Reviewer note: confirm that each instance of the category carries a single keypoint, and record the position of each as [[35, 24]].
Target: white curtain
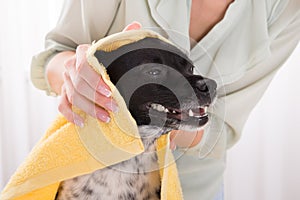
[[263, 165]]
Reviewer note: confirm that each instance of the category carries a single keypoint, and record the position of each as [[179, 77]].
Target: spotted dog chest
[[134, 179]]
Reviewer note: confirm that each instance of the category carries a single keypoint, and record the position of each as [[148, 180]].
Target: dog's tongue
[[203, 111], [198, 112]]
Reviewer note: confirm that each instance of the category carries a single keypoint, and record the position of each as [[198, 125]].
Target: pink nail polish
[[104, 91], [103, 117]]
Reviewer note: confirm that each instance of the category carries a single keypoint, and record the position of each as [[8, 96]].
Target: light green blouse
[[242, 53]]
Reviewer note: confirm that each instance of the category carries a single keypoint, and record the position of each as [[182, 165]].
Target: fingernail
[[79, 123], [103, 117], [112, 106], [104, 91]]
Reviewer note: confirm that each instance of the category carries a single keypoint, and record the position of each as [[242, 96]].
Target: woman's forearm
[[55, 69]]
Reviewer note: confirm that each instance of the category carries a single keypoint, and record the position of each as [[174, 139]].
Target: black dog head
[[156, 81]]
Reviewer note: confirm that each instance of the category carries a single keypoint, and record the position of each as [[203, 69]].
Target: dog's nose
[[206, 85], [203, 86]]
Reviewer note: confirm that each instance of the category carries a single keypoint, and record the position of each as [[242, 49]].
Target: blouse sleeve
[[242, 96], [80, 22]]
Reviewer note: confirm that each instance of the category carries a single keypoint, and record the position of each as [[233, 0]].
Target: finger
[[94, 80], [81, 54], [89, 74], [83, 103], [65, 109], [82, 87], [87, 79], [133, 26]]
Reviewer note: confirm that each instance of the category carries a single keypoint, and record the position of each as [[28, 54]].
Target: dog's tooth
[[154, 106], [160, 108], [173, 112], [205, 109], [166, 110], [191, 114]]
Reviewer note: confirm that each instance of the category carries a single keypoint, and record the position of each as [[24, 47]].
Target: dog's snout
[[206, 86]]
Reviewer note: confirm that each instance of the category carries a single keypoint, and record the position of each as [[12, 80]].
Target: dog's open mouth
[[183, 115], [194, 115]]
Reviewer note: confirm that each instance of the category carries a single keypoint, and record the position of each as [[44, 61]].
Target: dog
[[157, 83]]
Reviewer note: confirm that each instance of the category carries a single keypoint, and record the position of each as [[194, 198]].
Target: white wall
[[265, 164], [25, 112]]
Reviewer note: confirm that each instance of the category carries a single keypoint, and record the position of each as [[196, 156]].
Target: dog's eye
[[154, 72]]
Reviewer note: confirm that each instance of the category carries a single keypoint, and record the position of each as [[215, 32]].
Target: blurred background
[[264, 165]]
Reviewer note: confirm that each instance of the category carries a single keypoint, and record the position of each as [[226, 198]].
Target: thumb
[[133, 26]]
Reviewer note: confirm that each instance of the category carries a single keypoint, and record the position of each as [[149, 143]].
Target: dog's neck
[[149, 134]]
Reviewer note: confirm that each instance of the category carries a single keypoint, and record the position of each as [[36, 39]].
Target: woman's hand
[[185, 139], [85, 88]]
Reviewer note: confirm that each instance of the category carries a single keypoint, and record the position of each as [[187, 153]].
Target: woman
[[240, 44]]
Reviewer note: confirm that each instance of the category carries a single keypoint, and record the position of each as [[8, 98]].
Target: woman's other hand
[[185, 139]]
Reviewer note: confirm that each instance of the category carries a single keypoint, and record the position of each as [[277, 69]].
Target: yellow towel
[[67, 151]]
